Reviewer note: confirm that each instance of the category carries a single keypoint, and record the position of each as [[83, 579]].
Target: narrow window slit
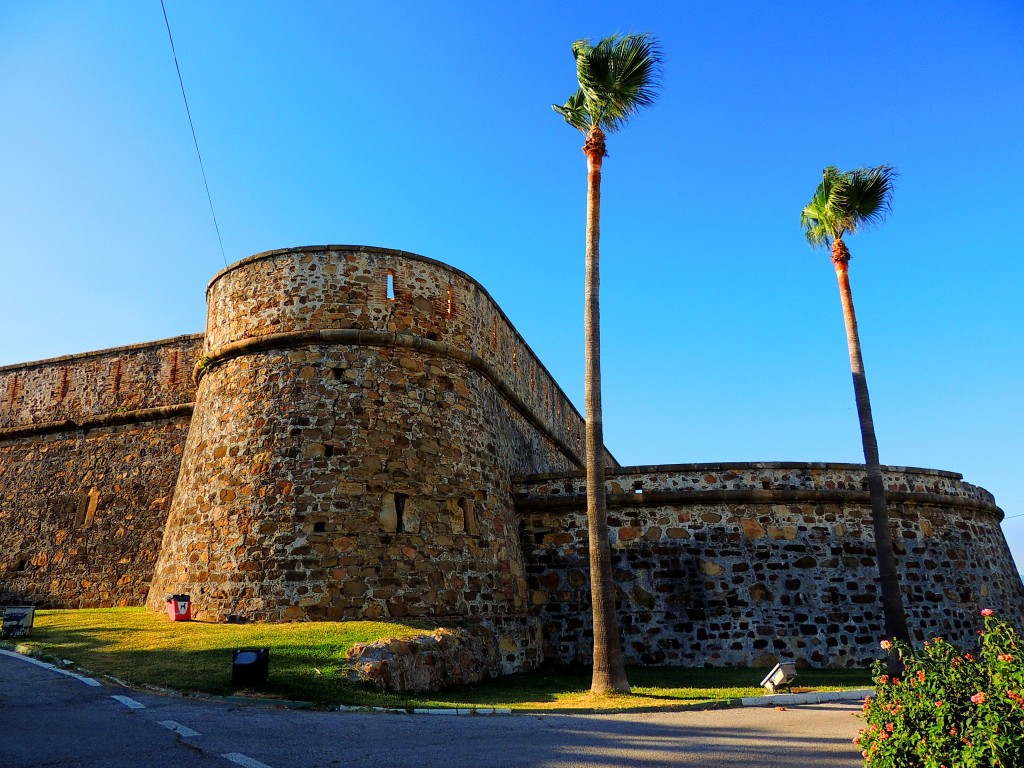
[[449, 301], [400, 512], [88, 501], [319, 526], [118, 370], [470, 522], [65, 384], [391, 285]]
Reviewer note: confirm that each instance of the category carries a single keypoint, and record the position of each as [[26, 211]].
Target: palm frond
[[821, 218], [869, 195], [575, 111], [846, 201], [617, 77]]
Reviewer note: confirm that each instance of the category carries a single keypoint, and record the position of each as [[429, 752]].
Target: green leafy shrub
[[949, 709]]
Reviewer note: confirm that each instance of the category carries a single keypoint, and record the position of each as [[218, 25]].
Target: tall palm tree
[[843, 203], [617, 77]]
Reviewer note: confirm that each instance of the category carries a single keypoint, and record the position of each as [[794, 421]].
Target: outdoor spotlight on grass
[[250, 667], [17, 620], [781, 676]]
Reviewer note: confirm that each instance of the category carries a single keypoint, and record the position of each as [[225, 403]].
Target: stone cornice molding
[[752, 496], [87, 423]]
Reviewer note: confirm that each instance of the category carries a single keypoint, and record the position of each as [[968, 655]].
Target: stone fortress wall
[[739, 564], [90, 447], [358, 421], [368, 436]]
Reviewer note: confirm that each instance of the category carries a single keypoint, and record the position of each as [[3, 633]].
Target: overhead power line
[[194, 139]]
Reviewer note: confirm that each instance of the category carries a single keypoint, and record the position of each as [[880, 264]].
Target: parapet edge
[[646, 469], [100, 352]]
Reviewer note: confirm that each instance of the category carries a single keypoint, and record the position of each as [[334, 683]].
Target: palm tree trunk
[[609, 667], [892, 600]]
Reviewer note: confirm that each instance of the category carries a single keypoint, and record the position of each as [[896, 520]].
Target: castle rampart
[[360, 414], [739, 564], [90, 447], [95, 387]]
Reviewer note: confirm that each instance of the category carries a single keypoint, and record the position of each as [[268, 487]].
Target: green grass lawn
[[307, 662]]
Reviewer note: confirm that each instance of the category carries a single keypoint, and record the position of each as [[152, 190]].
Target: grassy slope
[[142, 647]]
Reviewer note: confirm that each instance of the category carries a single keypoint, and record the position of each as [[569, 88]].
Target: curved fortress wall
[[356, 428], [90, 447], [740, 564]]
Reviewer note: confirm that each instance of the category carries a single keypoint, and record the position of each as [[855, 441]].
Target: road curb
[[815, 697]]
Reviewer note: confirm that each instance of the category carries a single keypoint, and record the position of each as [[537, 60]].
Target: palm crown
[[617, 77], [846, 201]]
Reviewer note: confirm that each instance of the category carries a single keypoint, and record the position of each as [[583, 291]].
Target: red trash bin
[[179, 607]]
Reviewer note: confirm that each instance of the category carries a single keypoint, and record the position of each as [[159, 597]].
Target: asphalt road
[[53, 719]]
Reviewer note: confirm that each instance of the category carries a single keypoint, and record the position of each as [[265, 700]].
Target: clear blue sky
[[427, 127]]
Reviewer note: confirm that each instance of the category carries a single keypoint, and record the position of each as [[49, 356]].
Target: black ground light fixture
[[250, 667]]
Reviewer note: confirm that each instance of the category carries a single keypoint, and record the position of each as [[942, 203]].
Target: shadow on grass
[[307, 663]]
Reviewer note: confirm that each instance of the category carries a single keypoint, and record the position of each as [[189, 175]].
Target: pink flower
[[987, 611], [938, 703], [920, 675], [1005, 657], [883, 679], [978, 698], [886, 645]]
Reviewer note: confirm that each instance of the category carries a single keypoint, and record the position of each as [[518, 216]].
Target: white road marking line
[[129, 702], [81, 678], [52, 668], [240, 759], [178, 728]]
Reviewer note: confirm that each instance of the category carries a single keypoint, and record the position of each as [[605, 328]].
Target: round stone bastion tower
[[359, 418]]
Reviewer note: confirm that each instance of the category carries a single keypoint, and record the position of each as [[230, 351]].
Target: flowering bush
[[949, 709]]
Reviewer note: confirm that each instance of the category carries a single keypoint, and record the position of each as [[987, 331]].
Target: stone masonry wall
[[89, 452], [346, 288], [85, 387], [356, 429], [350, 451], [740, 564]]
